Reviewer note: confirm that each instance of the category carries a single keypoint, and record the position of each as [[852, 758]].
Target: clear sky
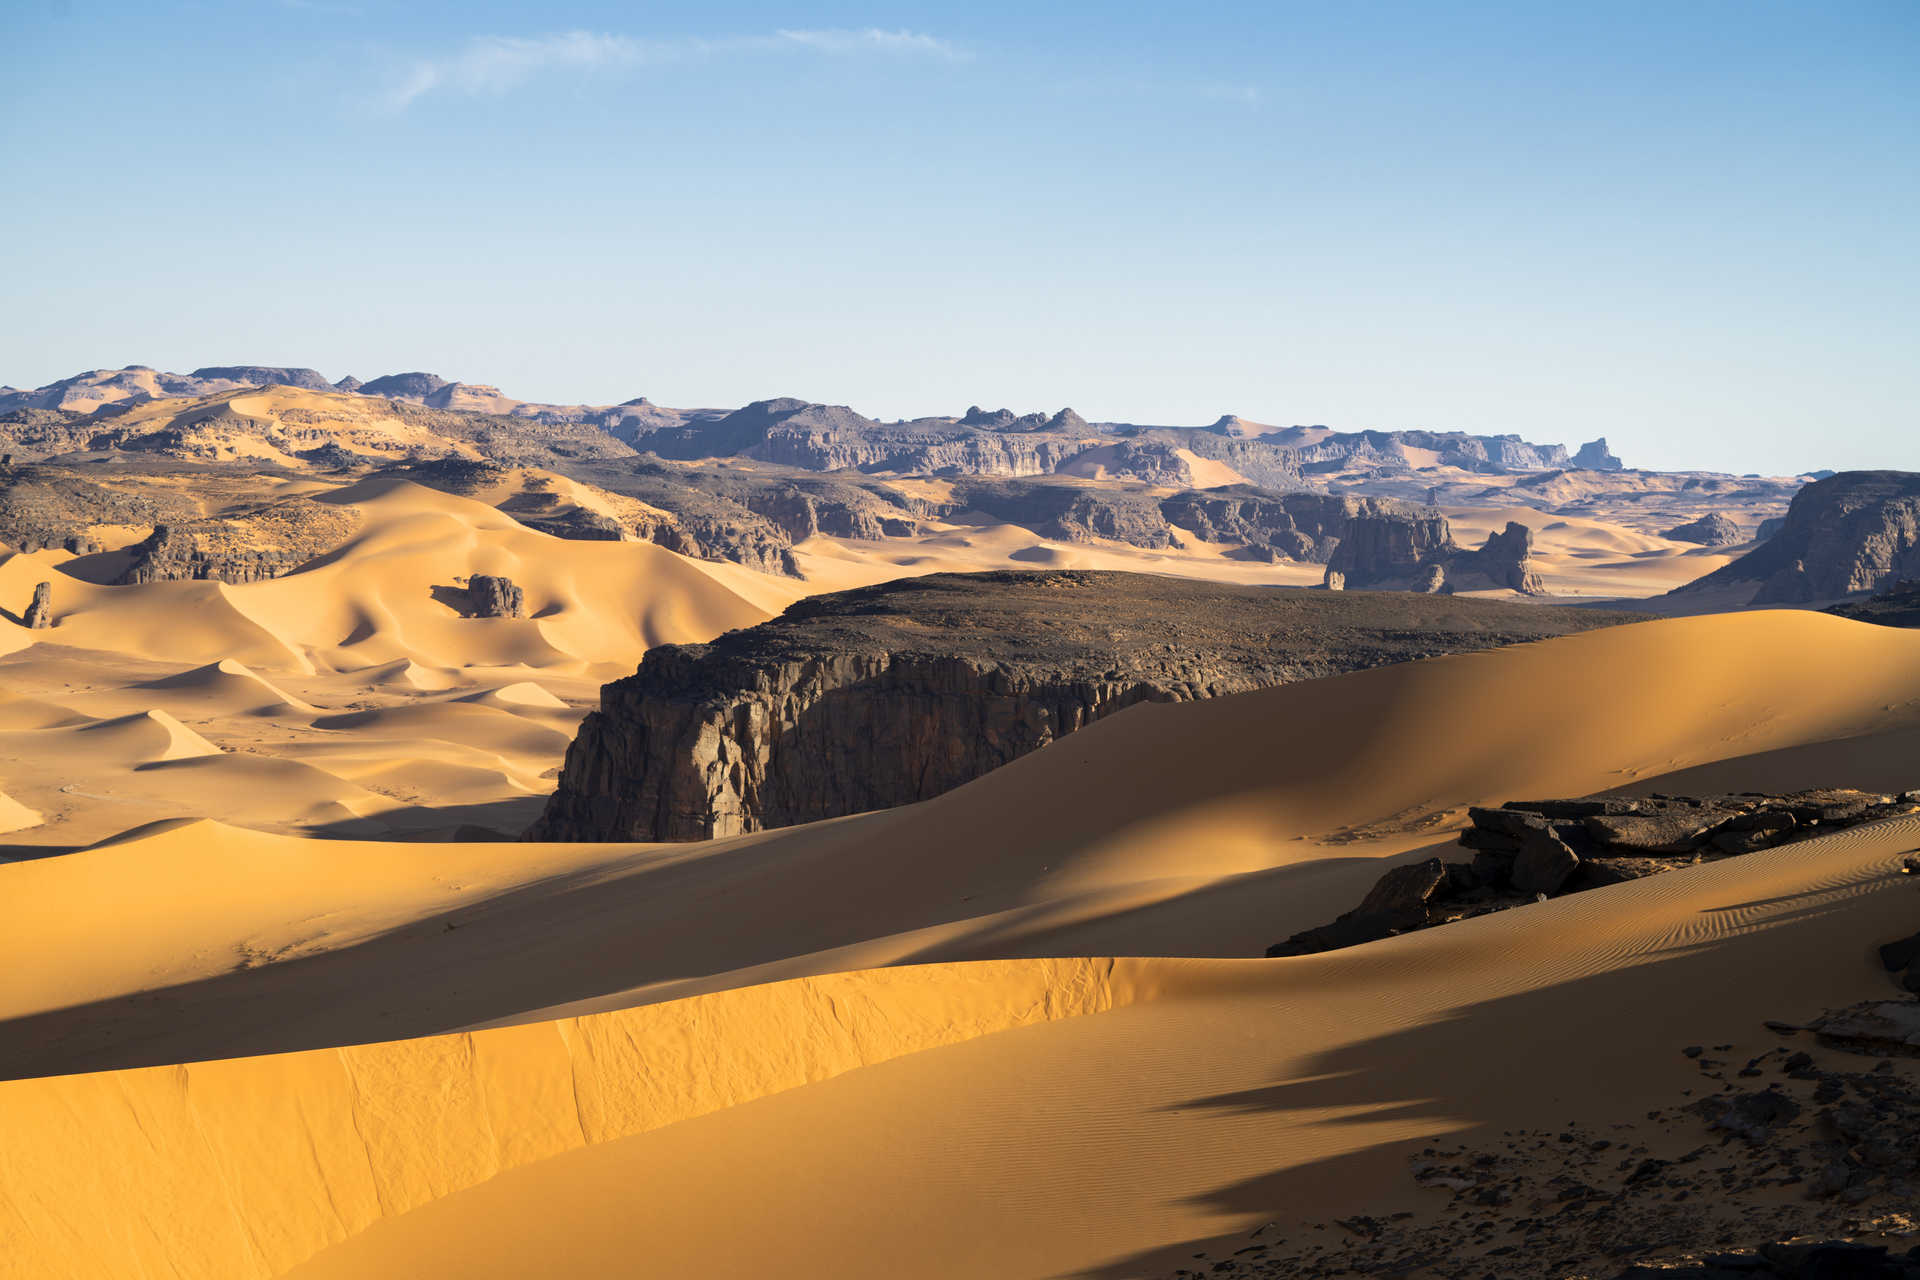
[[1691, 226]]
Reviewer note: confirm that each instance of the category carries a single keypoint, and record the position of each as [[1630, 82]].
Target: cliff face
[[892, 694], [696, 746], [1852, 532]]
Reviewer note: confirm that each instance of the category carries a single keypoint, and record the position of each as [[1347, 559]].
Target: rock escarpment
[[1852, 532], [892, 694], [39, 614]]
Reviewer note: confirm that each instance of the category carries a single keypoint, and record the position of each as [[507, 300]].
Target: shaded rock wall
[[892, 694]]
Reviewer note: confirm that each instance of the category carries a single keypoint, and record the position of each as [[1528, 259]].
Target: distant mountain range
[[822, 437]]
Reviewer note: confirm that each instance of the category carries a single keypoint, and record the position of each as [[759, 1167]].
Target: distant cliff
[[892, 694], [1852, 532]]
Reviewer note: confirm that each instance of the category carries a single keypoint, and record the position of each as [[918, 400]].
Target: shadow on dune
[[1572, 1053], [577, 936]]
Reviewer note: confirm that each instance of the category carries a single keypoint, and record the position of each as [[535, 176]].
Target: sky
[[1692, 228]]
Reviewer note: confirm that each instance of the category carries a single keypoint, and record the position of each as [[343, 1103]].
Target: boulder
[[1544, 863], [1400, 896], [39, 614], [1710, 530], [495, 597], [1397, 902]]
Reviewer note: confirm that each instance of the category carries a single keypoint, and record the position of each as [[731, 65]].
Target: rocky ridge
[[1897, 605], [891, 694], [1528, 850]]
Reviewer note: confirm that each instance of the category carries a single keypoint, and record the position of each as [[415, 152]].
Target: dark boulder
[[495, 597], [1397, 902], [1544, 863], [1710, 530]]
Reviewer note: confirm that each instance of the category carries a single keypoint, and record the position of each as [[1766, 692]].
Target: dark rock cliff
[[892, 694], [1852, 532]]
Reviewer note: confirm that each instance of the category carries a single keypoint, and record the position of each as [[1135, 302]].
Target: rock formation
[[1852, 532], [1595, 456], [495, 597], [1526, 850], [172, 554], [39, 614], [1392, 545], [891, 694], [1710, 530]]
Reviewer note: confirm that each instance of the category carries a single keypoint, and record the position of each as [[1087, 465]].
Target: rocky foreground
[[896, 693], [1791, 1160], [1529, 850]]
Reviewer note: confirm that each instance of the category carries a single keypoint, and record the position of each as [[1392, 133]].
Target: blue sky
[[1690, 227]]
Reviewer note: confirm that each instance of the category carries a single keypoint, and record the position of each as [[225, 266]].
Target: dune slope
[[1209, 828], [1080, 1116]]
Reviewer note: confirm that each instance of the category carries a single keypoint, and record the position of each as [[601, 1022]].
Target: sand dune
[[1208, 828], [1056, 1117], [310, 684], [229, 686], [15, 816]]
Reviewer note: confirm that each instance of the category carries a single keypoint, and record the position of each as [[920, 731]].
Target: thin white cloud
[[1244, 94], [495, 64], [873, 39]]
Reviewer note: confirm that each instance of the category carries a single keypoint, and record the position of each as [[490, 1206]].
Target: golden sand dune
[[1210, 828], [1017, 1117], [354, 696], [15, 816], [1013, 1116]]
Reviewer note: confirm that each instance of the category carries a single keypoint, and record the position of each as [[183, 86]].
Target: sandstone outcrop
[[1596, 456], [892, 694], [172, 554], [1710, 530], [1849, 533], [492, 596], [1393, 545], [1527, 850], [39, 614]]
